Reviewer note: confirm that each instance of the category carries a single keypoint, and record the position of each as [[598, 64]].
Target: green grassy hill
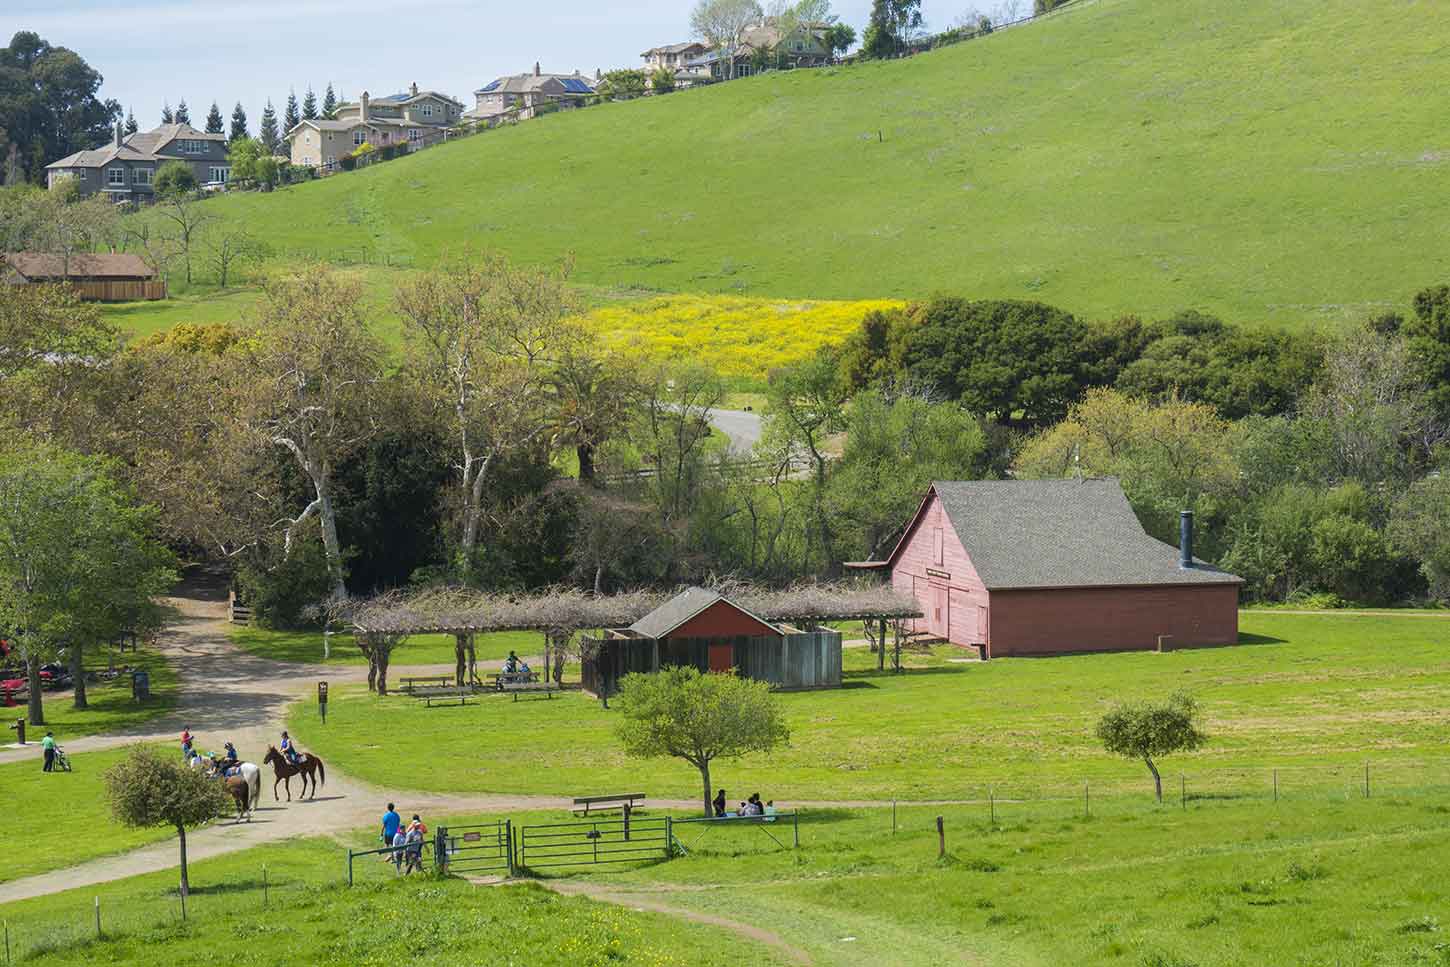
[[1266, 161]]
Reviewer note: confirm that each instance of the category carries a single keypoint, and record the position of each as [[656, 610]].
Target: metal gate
[[594, 841], [480, 848]]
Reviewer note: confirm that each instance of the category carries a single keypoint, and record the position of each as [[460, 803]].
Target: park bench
[[547, 689], [409, 682], [442, 695], [633, 800]]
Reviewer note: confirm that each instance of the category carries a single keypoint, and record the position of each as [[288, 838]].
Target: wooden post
[[1366, 780], [7, 941], [264, 886], [992, 804], [941, 836], [1087, 807], [881, 646], [893, 817], [1276, 785], [98, 918], [796, 828], [349, 867], [1183, 790], [626, 822]]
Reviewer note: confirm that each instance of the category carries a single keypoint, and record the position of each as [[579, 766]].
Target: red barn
[[1036, 567]]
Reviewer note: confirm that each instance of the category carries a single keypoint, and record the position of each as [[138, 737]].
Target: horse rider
[[289, 749], [230, 759]]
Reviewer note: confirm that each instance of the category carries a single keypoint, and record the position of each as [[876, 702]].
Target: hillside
[[1265, 161]]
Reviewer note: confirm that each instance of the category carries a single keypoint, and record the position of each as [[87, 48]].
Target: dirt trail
[[646, 901]]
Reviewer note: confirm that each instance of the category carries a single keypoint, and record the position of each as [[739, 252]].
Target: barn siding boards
[[722, 618], [801, 660], [919, 567], [1055, 621]]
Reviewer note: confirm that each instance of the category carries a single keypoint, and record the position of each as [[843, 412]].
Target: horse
[[246, 789], [284, 770]]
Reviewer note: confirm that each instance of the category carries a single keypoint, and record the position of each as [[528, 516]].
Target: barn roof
[[663, 620], [36, 266], [1059, 534]]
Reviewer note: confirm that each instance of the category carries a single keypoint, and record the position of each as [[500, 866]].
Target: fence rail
[[593, 842]]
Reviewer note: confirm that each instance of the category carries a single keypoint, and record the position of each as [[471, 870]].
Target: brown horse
[[285, 770]]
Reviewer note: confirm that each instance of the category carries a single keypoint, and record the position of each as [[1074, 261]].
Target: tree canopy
[[148, 789], [1151, 730], [49, 106]]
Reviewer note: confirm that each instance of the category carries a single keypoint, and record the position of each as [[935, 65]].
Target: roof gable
[[677, 612], [44, 265]]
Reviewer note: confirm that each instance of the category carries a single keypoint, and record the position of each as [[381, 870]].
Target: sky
[[151, 51]]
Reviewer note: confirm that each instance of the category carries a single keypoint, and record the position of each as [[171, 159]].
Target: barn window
[[937, 548]]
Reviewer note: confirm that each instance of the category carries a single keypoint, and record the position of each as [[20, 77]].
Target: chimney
[[536, 68], [362, 107], [118, 134], [1185, 539], [414, 89], [598, 74]]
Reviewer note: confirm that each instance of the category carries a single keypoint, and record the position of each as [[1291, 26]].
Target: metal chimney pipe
[[1185, 538]]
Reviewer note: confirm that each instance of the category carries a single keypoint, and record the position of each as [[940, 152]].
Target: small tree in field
[[1145, 730], [698, 717], [148, 789]]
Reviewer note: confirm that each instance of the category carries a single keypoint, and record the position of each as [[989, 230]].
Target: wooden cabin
[[705, 630], [103, 277], [1034, 567]]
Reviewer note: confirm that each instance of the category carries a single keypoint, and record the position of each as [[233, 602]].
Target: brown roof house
[[520, 96], [105, 277], [413, 117], [767, 44], [1033, 567], [126, 168]]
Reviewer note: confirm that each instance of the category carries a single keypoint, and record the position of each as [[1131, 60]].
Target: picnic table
[[616, 801], [409, 682], [501, 679]]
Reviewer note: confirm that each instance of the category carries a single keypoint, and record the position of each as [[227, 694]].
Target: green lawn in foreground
[[1314, 696], [111, 708], [1261, 161], [312, 918], [306, 646], [62, 818]]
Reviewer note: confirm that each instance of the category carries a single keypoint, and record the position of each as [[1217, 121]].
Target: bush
[[279, 590], [347, 162], [174, 177]]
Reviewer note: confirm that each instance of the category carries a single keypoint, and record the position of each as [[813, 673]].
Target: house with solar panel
[[520, 96], [413, 117]]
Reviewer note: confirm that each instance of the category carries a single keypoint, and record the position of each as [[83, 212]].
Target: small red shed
[[1035, 567]]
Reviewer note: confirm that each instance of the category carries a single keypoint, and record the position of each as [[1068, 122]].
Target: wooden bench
[[450, 695], [409, 682], [633, 800], [501, 680], [516, 688]]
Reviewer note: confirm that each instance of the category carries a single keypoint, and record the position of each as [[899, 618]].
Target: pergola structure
[[379, 624]]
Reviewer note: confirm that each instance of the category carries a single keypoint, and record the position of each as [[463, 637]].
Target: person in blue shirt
[[391, 822], [288, 748]]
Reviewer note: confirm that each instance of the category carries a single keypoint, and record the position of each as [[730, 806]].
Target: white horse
[[246, 789]]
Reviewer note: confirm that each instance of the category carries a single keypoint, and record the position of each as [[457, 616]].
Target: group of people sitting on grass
[[406, 842], [750, 807]]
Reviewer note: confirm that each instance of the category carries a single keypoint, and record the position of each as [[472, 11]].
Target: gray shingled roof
[[1061, 533], [679, 609]]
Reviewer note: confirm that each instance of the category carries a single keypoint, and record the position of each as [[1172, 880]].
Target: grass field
[[1313, 696], [59, 819], [1264, 161], [111, 708], [308, 916], [306, 646]]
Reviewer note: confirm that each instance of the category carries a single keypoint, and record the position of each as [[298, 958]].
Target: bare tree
[[184, 219], [314, 367], [157, 249], [229, 249], [719, 23]]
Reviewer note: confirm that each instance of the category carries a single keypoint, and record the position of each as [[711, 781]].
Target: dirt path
[[647, 901]]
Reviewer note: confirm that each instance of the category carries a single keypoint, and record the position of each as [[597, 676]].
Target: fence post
[[7, 941], [941, 839], [1366, 780], [1183, 790], [796, 828], [98, 918], [893, 817], [1087, 808], [626, 822], [1276, 785], [669, 837], [508, 836], [264, 886], [991, 805], [349, 867], [440, 850]]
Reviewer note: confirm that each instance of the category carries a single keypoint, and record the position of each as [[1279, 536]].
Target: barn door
[[722, 657], [939, 617]]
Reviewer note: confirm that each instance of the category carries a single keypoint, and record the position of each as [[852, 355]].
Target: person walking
[[391, 822], [47, 745]]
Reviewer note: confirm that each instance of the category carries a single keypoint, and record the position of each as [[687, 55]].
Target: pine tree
[[309, 106], [239, 123], [292, 117], [271, 139], [329, 104], [183, 116], [166, 116], [214, 119], [131, 126]]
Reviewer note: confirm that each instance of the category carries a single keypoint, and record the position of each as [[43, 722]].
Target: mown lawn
[[1312, 696], [111, 708], [307, 915], [59, 819], [306, 646]]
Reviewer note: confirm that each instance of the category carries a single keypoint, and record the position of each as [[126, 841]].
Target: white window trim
[[137, 173], [112, 179]]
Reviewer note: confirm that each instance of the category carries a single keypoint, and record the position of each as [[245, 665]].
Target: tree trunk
[[881, 647], [459, 659], [383, 674], [327, 516], [1157, 779], [185, 884], [78, 674], [35, 705], [705, 777], [372, 674], [585, 452]]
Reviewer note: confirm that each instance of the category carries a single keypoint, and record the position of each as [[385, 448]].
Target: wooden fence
[[113, 290]]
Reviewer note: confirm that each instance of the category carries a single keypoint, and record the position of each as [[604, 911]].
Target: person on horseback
[[230, 760], [289, 749]]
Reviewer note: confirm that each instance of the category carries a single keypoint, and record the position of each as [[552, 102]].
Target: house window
[[427, 110], [190, 146], [331, 161], [219, 175], [359, 136], [116, 177], [387, 136], [415, 134], [142, 176], [307, 138]]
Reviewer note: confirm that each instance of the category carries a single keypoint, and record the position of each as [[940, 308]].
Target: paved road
[[741, 426]]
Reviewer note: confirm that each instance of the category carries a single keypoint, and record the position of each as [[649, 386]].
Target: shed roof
[[662, 621], [1058, 534], [43, 265]]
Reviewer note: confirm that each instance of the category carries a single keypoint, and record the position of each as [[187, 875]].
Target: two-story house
[[126, 168], [413, 117], [673, 57], [768, 44], [521, 95]]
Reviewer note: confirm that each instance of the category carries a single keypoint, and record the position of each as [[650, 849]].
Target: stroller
[[62, 761]]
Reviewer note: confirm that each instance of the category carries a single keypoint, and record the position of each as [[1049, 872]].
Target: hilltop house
[[1032, 567], [673, 57], [520, 96], [413, 117], [768, 45], [126, 168]]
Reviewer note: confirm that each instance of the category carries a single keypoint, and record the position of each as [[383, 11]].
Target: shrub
[[174, 177], [347, 162], [279, 589]]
